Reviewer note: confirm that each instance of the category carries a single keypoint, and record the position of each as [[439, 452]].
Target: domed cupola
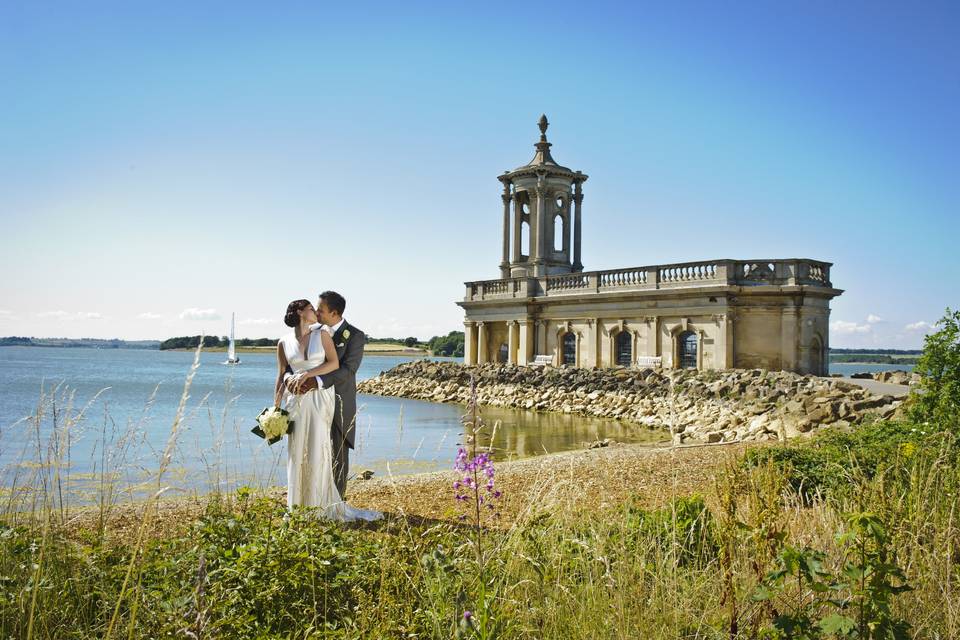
[[539, 200]]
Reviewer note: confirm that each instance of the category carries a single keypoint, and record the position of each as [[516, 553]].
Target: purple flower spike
[[467, 615]]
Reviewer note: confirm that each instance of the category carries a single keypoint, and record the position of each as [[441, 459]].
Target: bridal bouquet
[[272, 424]]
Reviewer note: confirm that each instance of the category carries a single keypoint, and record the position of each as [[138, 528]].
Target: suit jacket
[[349, 342]]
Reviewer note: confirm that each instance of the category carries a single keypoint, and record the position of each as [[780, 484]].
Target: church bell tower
[[541, 215]]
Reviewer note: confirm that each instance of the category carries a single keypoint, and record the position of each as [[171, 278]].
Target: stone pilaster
[[524, 342], [723, 345], [789, 339], [469, 343], [513, 337], [593, 341], [482, 355]]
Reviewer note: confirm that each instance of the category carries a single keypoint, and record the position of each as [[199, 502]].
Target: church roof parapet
[[719, 273]]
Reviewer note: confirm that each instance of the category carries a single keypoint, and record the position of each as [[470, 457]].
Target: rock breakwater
[[897, 376], [696, 406]]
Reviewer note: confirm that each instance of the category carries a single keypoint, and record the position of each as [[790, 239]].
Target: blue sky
[[164, 164]]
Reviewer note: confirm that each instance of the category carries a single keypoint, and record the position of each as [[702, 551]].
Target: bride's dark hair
[[292, 318]]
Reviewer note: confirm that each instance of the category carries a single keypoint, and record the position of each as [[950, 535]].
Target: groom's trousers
[[341, 462]]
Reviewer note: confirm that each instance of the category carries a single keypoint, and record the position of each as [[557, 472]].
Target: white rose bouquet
[[272, 424]]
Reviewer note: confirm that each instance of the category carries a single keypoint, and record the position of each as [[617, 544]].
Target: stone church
[[715, 314]]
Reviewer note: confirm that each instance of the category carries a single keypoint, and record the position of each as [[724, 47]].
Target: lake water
[[847, 369], [128, 424]]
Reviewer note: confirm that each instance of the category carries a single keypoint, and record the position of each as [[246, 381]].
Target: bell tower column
[[540, 234], [505, 261], [577, 213]]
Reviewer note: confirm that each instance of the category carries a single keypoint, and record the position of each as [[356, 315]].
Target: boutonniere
[[346, 334]]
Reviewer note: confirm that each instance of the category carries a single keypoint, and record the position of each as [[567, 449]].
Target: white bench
[[649, 361], [540, 361]]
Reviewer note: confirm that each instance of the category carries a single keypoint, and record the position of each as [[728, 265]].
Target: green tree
[[410, 342], [938, 399], [448, 345]]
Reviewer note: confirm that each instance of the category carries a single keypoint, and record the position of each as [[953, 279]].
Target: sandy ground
[[589, 480], [594, 480]]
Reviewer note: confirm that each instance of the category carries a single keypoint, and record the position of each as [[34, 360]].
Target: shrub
[[685, 527], [824, 464], [938, 400]]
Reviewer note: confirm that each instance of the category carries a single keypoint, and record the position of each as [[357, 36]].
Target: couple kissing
[[317, 367]]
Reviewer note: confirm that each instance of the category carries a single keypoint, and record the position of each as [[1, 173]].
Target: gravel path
[[881, 388]]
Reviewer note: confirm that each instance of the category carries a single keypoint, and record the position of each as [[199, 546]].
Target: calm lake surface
[[131, 398], [127, 425]]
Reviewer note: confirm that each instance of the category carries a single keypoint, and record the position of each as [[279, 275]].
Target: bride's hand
[[293, 383]]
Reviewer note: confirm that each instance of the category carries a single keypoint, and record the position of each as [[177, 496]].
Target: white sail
[[232, 349]]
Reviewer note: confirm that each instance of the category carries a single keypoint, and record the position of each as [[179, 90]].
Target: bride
[[309, 351]]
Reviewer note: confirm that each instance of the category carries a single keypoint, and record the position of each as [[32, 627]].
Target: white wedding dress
[[310, 480]]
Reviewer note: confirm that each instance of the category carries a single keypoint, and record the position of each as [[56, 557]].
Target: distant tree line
[[448, 345], [371, 339], [890, 352], [79, 343], [191, 342], [872, 358]]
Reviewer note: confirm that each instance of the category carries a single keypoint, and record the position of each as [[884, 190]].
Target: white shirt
[[333, 330], [336, 327]]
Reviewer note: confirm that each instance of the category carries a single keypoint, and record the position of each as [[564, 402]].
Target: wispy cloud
[[5, 314], [149, 315], [59, 314], [920, 325], [199, 314], [844, 327], [259, 321], [874, 319], [90, 315]]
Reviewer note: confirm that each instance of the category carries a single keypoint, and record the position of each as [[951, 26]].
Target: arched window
[[687, 347], [558, 231], [503, 353], [525, 238], [569, 348], [624, 349], [816, 357]]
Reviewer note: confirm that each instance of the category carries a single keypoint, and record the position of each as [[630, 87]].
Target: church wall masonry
[[715, 314]]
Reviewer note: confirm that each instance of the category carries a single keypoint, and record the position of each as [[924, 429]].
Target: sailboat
[[232, 349]]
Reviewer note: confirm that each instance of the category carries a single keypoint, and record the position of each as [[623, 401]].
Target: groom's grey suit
[[348, 341]]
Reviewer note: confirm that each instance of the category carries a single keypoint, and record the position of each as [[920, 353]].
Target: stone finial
[[543, 124]]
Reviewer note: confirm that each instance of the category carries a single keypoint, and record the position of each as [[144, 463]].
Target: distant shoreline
[[367, 350]]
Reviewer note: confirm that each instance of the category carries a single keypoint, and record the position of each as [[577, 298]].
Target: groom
[[349, 342]]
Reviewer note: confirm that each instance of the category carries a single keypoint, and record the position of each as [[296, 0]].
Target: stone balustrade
[[795, 271], [567, 282], [496, 289]]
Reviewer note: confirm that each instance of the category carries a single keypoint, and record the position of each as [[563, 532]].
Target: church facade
[[714, 314]]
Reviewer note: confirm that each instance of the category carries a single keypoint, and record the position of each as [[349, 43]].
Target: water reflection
[[414, 435]]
